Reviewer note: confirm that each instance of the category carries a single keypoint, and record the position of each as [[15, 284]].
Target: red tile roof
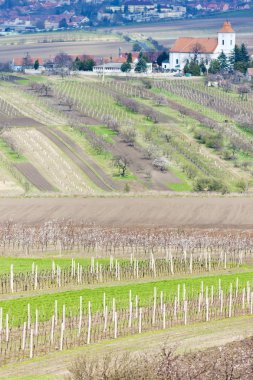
[[19, 61], [188, 44], [227, 28]]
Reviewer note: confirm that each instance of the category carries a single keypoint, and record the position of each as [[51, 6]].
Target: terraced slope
[[77, 155]]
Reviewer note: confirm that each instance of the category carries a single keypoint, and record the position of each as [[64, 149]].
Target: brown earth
[[48, 50], [170, 211], [165, 33], [34, 176], [143, 167], [79, 157], [19, 121], [84, 157]]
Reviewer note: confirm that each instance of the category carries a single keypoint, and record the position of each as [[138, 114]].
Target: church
[[203, 49]]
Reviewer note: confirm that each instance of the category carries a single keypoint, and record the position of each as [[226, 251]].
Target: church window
[[223, 42], [231, 42], [177, 61]]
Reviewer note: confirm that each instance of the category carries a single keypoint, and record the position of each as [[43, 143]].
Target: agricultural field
[[107, 42], [87, 136], [68, 287], [203, 27], [126, 217]]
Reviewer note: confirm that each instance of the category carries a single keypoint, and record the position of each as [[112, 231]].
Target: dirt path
[[34, 176], [183, 338], [170, 211], [79, 161]]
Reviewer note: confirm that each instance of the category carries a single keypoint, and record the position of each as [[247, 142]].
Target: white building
[[115, 68], [204, 48], [108, 68]]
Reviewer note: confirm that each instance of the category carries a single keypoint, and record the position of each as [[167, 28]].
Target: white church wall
[[179, 60]]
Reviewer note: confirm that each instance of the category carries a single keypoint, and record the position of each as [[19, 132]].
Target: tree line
[[238, 60]]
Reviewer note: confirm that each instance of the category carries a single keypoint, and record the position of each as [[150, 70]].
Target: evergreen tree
[[88, 64], [240, 59], [202, 67], [141, 66], [241, 66], [244, 54], [78, 64], [125, 67], [237, 54], [214, 67], [192, 68], [129, 58], [36, 64], [186, 68], [224, 65]]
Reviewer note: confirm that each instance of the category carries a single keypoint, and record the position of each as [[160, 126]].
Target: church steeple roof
[[227, 28]]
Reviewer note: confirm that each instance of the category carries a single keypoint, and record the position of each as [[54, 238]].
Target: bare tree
[[121, 163], [63, 60], [128, 135], [196, 50], [243, 92]]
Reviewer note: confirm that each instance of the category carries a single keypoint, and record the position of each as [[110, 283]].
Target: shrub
[[242, 186], [209, 184]]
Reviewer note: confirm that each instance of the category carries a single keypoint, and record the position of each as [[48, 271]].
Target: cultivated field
[[126, 216], [82, 135], [68, 286], [104, 42], [227, 212]]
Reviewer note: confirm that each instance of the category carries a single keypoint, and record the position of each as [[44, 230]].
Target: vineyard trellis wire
[[128, 270], [34, 336]]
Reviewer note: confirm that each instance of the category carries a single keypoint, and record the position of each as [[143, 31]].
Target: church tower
[[226, 38]]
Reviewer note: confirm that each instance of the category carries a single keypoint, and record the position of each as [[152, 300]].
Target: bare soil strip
[[34, 176], [140, 165], [76, 158], [108, 181], [182, 339], [19, 121], [170, 211]]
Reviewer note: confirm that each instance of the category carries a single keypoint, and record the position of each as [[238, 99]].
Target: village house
[[203, 49], [23, 63], [249, 74]]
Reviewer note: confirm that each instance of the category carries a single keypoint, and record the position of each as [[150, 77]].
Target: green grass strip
[[17, 308]]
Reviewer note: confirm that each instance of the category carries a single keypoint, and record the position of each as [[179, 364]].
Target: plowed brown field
[[125, 211]]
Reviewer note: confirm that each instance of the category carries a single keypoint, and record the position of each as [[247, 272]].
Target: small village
[[126, 190], [51, 15], [189, 56]]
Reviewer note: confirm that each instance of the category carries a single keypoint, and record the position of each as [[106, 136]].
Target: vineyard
[[84, 136], [67, 285], [122, 147]]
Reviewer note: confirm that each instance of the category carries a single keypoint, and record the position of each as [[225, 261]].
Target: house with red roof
[[203, 49], [27, 62], [249, 74]]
